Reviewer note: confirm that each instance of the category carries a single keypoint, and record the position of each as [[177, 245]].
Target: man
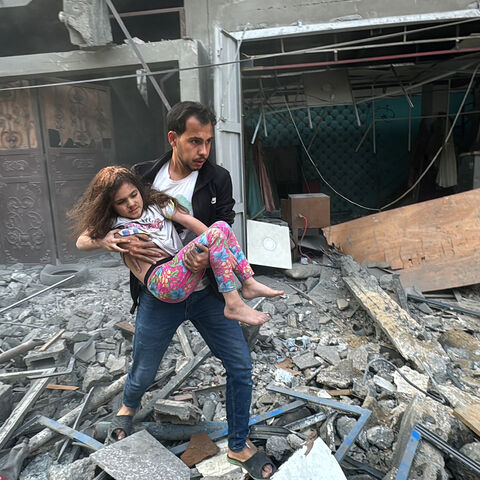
[[205, 189]]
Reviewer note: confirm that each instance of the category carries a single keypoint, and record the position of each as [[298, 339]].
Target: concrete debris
[[277, 447], [317, 342], [140, 456], [313, 462], [175, 412], [218, 466], [83, 469]]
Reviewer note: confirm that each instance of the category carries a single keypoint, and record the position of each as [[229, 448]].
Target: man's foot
[[252, 289], [266, 471], [241, 312], [123, 419]]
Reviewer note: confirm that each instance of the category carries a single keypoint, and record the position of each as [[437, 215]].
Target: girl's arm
[[109, 242], [189, 222]]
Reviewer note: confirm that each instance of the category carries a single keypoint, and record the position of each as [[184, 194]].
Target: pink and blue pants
[[171, 282]]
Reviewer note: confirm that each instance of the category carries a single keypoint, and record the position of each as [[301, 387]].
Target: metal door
[[43, 171], [77, 133], [25, 217], [228, 132]]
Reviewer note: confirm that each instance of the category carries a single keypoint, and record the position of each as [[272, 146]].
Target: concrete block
[[6, 401], [53, 355], [176, 412], [311, 462], [306, 360], [200, 448], [138, 457], [218, 465], [95, 375], [328, 353], [83, 469]]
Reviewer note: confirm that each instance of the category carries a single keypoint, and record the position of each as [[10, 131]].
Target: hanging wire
[[316, 168]]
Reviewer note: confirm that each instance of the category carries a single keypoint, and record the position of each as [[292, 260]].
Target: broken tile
[[138, 457], [199, 448], [218, 466]]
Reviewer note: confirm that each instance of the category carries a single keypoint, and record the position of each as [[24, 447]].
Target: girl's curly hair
[[94, 212]]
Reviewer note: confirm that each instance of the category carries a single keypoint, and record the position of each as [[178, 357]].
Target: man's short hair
[[179, 114]]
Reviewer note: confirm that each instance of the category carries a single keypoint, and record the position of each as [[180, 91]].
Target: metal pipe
[[37, 293], [19, 349], [442, 305], [362, 60], [135, 49]]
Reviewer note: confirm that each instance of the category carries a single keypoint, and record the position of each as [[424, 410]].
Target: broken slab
[[175, 412], [396, 323], [200, 448], [312, 462], [140, 456]]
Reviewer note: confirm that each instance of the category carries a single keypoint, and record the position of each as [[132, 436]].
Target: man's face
[[192, 148]]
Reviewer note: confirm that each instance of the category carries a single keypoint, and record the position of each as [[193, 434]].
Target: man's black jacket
[[212, 199]]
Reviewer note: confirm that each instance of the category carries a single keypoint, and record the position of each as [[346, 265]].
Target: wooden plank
[[52, 340], [18, 414], [396, 323], [53, 386], [470, 416], [431, 243]]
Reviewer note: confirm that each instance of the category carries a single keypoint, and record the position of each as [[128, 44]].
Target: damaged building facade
[[358, 117]]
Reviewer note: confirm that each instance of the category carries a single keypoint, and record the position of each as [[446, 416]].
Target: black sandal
[[120, 422], [254, 465]]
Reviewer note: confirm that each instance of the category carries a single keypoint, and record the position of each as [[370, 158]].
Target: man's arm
[[224, 201]]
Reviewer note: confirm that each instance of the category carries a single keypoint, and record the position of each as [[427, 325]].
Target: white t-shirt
[[182, 191], [156, 223]]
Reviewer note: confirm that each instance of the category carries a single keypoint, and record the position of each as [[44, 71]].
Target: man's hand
[[111, 242], [196, 258], [140, 247]]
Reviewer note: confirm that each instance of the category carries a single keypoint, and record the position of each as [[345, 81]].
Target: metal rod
[[132, 44], [77, 421], [84, 439], [354, 432], [408, 456], [409, 101], [253, 421], [443, 305], [364, 136], [36, 294], [157, 11], [350, 61]]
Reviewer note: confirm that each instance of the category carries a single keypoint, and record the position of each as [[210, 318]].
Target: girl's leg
[[219, 238], [171, 282], [250, 287]]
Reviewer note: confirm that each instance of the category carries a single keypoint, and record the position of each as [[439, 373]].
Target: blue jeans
[[155, 325]]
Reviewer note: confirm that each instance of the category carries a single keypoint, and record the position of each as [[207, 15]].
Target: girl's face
[[128, 202]]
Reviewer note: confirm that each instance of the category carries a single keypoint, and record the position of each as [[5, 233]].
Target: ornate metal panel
[[25, 217], [78, 142]]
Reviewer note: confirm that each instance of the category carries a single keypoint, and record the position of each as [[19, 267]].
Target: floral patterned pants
[[171, 282]]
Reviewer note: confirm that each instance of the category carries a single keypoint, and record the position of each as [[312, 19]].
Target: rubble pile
[[363, 372]]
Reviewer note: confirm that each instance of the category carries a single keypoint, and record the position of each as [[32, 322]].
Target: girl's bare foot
[[247, 453], [241, 312], [252, 289]]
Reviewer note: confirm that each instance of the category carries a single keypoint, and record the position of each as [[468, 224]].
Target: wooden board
[[470, 416], [433, 244]]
